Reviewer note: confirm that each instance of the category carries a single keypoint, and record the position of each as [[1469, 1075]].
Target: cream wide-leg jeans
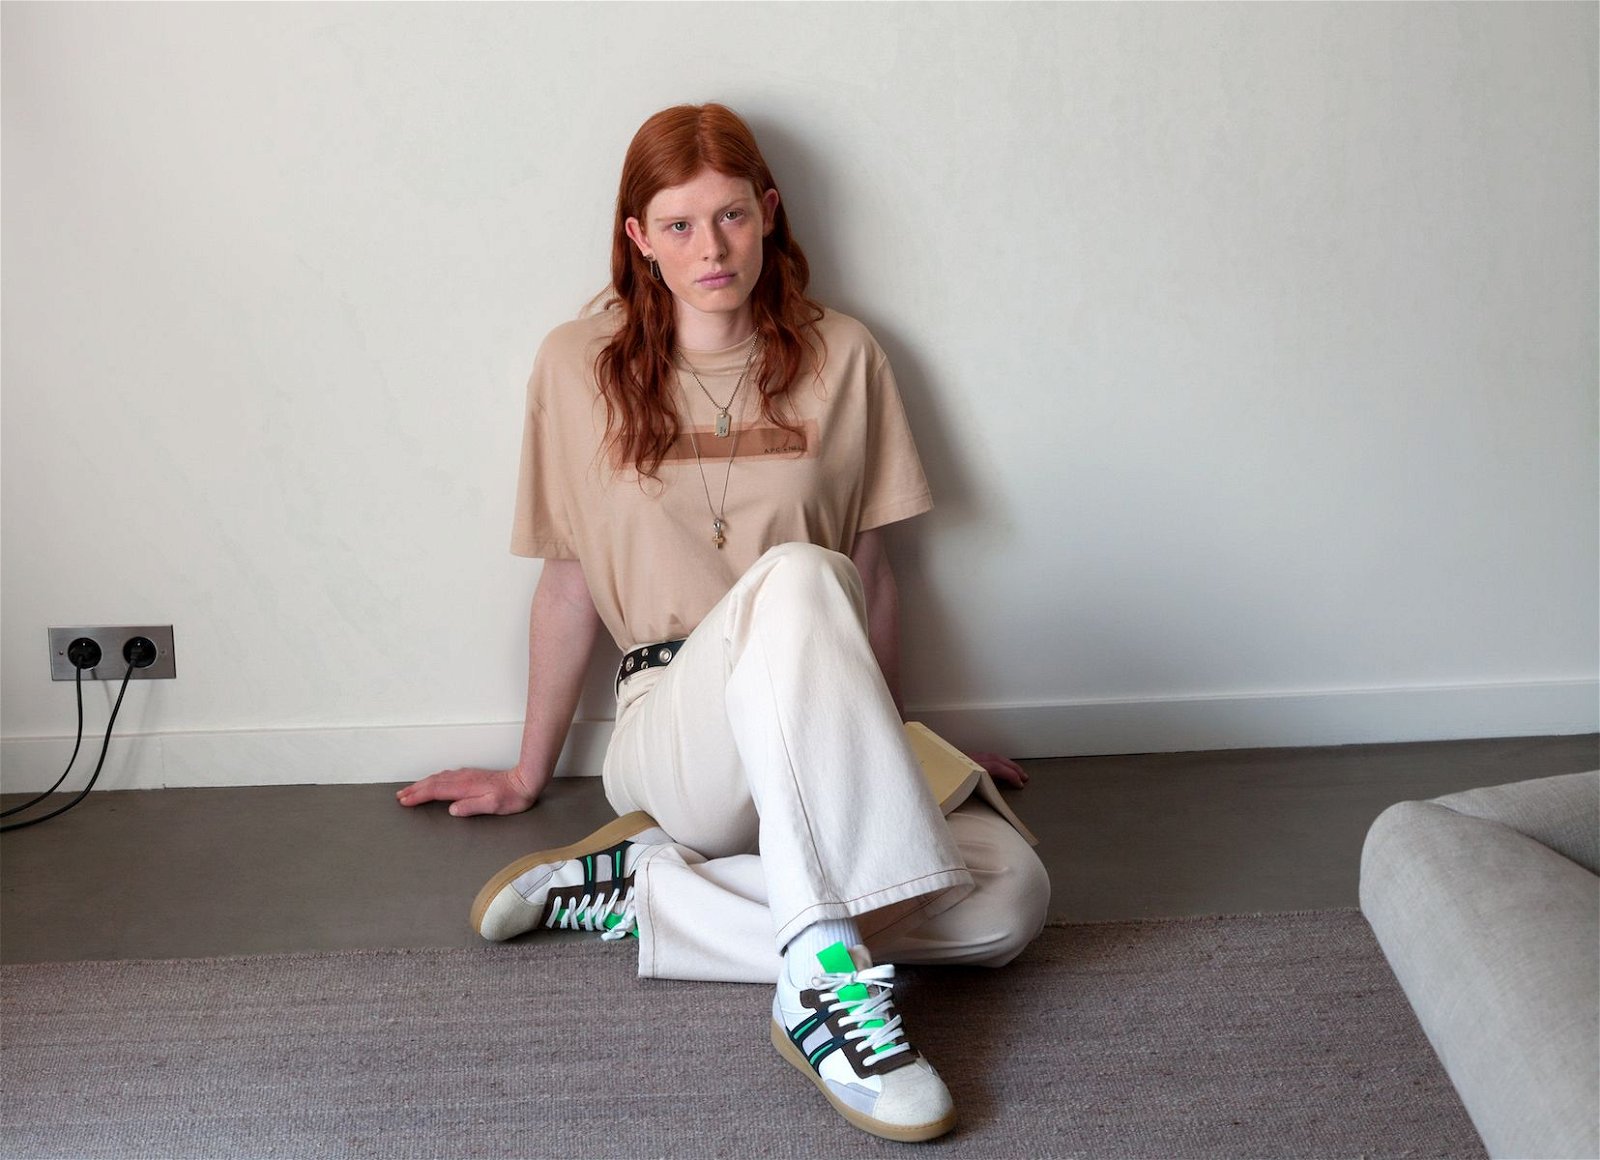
[[771, 751]]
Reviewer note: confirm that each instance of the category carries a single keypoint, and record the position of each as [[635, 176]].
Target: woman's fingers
[[471, 806], [418, 791], [426, 790], [1002, 769], [450, 785], [471, 792]]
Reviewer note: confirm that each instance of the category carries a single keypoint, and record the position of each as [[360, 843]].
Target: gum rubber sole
[[901, 1133], [607, 835]]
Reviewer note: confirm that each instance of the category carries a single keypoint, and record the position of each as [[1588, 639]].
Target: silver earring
[[655, 270]]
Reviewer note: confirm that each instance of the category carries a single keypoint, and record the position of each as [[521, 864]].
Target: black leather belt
[[650, 656]]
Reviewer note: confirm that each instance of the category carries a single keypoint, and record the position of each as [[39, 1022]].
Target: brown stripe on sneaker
[[754, 443], [862, 1061]]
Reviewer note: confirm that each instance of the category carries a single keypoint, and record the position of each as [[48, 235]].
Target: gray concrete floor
[[199, 872]]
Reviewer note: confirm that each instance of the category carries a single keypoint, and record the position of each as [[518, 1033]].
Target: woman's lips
[[714, 281]]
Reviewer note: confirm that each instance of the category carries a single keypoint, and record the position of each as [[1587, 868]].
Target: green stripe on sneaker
[[805, 1027], [822, 1052]]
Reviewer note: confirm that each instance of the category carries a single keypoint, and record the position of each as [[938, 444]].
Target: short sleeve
[[894, 487], [540, 527]]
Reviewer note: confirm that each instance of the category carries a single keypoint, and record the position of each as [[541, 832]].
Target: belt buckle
[[641, 658]]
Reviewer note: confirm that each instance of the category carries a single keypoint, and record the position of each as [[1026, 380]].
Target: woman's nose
[[716, 244]]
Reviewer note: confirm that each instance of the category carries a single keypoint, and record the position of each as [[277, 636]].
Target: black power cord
[[85, 654]]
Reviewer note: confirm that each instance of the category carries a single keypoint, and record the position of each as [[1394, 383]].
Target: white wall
[[1251, 350]]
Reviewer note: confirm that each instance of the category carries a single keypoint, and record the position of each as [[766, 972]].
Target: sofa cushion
[[1495, 938], [1560, 812]]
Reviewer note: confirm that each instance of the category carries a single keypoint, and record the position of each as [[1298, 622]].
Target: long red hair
[[635, 370]]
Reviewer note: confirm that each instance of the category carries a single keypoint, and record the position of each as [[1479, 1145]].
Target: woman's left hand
[[1002, 769]]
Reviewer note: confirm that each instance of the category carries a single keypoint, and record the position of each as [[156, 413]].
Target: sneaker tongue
[[836, 960]]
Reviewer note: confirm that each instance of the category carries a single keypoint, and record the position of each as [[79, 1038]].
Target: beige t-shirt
[[647, 546]]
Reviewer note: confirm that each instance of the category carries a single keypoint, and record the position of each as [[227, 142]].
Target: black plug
[[139, 652], [83, 653]]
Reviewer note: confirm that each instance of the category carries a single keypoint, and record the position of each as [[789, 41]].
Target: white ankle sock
[[800, 956]]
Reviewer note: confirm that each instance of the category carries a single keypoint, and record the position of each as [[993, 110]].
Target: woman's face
[[706, 236]]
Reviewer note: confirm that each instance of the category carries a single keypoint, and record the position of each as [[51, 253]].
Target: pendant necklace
[[717, 524], [724, 428], [724, 420]]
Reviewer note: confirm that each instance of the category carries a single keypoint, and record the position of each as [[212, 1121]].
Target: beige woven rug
[[1272, 1036]]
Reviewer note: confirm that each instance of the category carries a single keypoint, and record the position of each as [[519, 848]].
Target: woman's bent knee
[[801, 556], [1011, 900], [800, 578], [1023, 901], [798, 549], [1005, 912]]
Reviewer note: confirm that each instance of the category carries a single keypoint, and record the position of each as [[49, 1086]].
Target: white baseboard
[[1274, 720], [347, 756], [1248, 721]]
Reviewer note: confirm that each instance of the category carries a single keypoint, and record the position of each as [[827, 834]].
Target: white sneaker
[[840, 1028], [585, 886]]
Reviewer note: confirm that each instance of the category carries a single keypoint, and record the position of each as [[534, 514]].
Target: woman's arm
[[883, 608], [562, 626], [883, 631]]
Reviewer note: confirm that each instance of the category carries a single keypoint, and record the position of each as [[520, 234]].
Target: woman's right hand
[[474, 791], [563, 621]]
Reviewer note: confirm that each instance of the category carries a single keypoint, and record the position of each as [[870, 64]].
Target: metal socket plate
[[111, 639]]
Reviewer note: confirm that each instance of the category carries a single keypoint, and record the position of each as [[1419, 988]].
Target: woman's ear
[[769, 211], [637, 234]]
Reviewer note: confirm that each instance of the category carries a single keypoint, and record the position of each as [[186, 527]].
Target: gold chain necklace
[[724, 423]]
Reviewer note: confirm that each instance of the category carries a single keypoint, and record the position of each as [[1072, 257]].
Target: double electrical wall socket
[[112, 666]]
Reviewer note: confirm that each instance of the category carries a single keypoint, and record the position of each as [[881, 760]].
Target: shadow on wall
[[1153, 640], [1149, 632], [811, 195]]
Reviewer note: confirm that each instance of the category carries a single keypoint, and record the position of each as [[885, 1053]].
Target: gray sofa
[[1487, 904]]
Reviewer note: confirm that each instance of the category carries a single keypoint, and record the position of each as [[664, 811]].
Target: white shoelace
[[593, 911], [881, 1042]]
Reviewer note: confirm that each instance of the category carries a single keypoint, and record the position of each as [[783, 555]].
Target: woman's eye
[[679, 227], [733, 215]]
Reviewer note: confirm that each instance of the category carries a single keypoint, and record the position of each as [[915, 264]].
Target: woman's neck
[[701, 331]]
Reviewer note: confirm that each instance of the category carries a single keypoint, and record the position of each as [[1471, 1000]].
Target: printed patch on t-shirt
[[753, 443]]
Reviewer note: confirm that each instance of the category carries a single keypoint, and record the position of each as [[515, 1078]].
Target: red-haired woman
[[706, 467]]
